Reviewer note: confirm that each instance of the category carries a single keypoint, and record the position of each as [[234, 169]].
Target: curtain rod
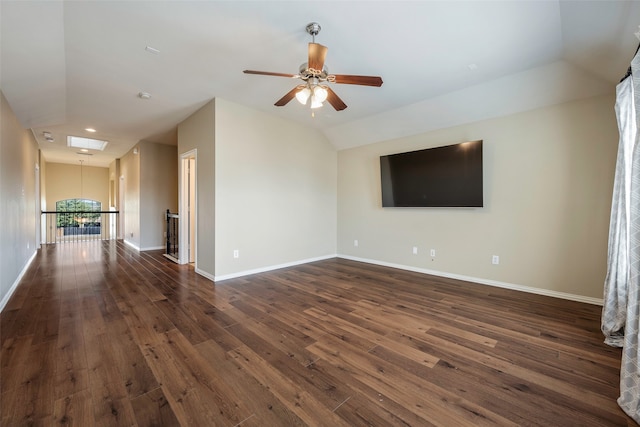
[[629, 69]]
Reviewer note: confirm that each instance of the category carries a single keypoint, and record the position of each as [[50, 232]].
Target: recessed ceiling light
[[144, 95], [473, 67], [84, 150], [152, 50], [92, 130]]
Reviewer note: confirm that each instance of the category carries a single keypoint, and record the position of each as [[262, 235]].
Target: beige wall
[[130, 209], [548, 178], [265, 187], [197, 132], [276, 184], [148, 176], [159, 191], [64, 181], [19, 208]]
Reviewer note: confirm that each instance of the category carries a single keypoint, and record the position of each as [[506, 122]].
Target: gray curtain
[[629, 399], [614, 310]]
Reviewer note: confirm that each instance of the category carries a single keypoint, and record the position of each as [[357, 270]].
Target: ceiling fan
[[315, 75]]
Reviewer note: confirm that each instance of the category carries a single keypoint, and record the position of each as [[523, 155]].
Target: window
[[75, 214], [86, 143]]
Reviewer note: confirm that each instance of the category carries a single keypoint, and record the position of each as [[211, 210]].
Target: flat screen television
[[449, 176]]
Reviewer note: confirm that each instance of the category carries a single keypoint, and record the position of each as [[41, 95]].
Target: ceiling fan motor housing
[[305, 72]]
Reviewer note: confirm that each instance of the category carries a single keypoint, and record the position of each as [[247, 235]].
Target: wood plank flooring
[[99, 335]]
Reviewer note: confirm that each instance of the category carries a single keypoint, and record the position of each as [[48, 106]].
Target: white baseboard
[[505, 285], [152, 248], [139, 249], [13, 288], [546, 292], [269, 268]]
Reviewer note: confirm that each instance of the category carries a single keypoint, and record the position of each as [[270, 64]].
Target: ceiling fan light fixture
[[303, 95], [320, 94], [315, 103]]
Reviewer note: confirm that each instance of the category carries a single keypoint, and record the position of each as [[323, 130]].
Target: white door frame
[[183, 209], [121, 207], [39, 217]]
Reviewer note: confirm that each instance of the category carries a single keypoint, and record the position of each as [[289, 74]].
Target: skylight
[[92, 144]]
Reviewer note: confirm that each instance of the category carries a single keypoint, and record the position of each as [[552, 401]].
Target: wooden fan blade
[[288, 97], [268, 73], [358, 80], [317, 53], [335, 100]]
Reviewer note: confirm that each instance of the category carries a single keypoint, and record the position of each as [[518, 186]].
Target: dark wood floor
[[97, 334]]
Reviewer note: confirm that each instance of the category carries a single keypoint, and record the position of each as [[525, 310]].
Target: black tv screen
[[449, 176]]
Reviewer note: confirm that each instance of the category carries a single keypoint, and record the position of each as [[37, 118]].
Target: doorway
[[188, 207]]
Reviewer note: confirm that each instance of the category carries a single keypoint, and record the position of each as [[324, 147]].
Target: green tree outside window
[[69, 212]]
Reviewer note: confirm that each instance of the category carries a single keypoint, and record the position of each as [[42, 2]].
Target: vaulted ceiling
[[69, 65]]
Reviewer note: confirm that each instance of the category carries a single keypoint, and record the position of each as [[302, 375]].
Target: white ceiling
[[66, 66]]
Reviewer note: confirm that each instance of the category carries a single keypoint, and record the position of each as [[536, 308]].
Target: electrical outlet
[[355, 243], [415, 250], [236, 253], [495, 260], [433, 253]]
